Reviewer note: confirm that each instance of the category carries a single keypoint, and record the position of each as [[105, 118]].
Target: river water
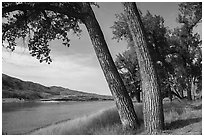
[[22, 118]]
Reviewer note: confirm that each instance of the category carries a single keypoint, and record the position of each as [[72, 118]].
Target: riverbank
[[12, 100], [77, 98], [181, 118], [105, 121], [34, 115], [17, 100]]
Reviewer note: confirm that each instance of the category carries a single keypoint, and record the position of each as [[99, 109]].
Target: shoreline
[[17, 100], [12, 100]]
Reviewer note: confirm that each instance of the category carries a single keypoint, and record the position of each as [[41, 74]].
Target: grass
[[102, 122], [184, 118], [84, 125], [180, 118]]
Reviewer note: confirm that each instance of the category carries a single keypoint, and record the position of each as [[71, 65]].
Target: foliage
[[190, 14], [178, 55], [186, 45], [40, 22], [128, 68], [157, 42], [154, 26]]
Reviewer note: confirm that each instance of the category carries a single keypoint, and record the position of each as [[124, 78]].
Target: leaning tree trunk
[[153, 108], [123, 101]]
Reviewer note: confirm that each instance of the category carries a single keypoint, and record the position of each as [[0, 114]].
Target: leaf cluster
[[40, 22]]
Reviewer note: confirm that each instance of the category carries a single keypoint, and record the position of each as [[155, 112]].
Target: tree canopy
[[40, 22], [157, 42], [177, 53]]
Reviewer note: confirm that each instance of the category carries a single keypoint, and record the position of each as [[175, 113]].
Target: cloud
[[20, 57], [73, 71]]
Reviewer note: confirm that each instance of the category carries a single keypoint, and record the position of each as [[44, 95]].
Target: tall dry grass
[[107, 122], [102, 122]]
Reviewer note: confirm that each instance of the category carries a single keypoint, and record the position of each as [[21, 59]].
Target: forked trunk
[[123, 101], [153, 109]]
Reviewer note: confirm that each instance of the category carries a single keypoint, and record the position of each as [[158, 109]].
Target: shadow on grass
[[181, 123]]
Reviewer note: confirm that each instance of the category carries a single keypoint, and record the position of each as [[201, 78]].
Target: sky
[[77, 67]]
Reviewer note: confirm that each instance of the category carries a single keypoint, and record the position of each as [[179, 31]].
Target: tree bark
[[176, 94], [170, 94], [189, 96], [193, 88], [138, 96], [181, 92], [123, 101], [153, 108]]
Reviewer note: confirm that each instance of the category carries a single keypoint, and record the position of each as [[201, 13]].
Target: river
[[24, 117]]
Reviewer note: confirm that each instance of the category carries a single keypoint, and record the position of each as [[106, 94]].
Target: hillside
[[16, 88]]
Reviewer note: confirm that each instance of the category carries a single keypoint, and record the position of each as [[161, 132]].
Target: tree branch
[[21, 7], [43, 6]]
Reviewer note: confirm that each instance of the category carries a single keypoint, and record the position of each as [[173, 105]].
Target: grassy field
[[180, 118]]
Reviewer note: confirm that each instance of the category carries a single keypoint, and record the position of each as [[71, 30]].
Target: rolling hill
[[27, 90]]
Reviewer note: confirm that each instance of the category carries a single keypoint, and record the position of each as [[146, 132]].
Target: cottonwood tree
[[157, 41], [185, 49], [190, 14], [187, 61], [42, 22], [127, 65], [153, 108]]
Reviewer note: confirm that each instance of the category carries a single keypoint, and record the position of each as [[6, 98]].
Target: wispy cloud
[[68, 71]]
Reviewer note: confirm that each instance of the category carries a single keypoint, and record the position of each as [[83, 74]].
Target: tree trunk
[[181, 93], [153, 108], [137, 95], [123, 101], [176, 94], [189, 96], [193, 88], [170, 94]]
